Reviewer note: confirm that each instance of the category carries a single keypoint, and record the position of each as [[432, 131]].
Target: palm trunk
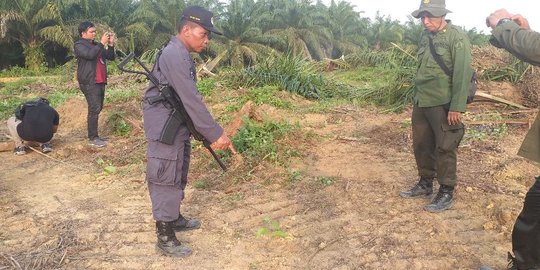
[[33, 55]]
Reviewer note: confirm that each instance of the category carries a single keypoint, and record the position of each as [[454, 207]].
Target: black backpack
[[21, 110], [474, 78]]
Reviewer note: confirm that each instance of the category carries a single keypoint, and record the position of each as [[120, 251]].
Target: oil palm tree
[[243, 41], [413, 31], [384, 31], [349, 30], [301, 25], [32, 23]]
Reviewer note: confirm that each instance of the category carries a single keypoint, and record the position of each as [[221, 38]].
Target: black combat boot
[[167, 244], [184, 224], [512, 264], [423, 188], [443, 200]]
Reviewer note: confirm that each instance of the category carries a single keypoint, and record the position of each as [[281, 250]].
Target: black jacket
[[38, 121], [87, 52]]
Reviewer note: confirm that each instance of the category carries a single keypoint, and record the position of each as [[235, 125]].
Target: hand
[[104, 39], [493, 19], [223, 143], [112, 38], [454, 118], [521, 21]]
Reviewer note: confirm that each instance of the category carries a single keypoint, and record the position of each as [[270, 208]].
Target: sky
[[467, 13]]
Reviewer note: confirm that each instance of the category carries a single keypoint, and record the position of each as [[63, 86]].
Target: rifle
[[178, 115]]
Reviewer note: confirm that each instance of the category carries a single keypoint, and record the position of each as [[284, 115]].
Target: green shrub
[[118, 123], [396, 68], [206, 86], [293, 74], [261, 140], [267, 95]]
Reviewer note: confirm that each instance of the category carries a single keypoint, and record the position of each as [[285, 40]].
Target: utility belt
[[175, 119]]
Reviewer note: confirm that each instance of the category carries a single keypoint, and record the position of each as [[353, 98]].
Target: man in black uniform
[[167, 165], [33, 123]]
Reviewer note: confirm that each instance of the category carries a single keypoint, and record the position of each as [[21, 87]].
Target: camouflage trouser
[[435, 144], [526, 233]]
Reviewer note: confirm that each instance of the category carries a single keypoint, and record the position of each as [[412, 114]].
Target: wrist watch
[[503, 21]]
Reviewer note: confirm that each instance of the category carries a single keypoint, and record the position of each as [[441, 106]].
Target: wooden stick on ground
[[500, 100], [55, 159]]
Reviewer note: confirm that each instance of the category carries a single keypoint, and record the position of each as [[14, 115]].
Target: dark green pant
[[526, 233], [435, 144]]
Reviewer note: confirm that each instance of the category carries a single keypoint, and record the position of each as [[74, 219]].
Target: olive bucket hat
[[436, 8]]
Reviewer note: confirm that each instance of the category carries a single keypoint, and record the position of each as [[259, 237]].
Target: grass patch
[[17, 87], [259, 95], [59, 97], [124, 93], [261, 141], [17, 71], [8, 106]]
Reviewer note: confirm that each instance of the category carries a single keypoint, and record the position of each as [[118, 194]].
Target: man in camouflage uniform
[[512, 33], [439, 100]]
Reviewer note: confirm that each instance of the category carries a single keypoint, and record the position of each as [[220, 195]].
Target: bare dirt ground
[[340, 211]]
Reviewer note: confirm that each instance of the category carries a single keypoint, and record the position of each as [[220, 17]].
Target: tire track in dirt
[[356, 222], [380, 230]]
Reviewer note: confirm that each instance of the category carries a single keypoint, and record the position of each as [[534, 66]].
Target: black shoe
[[443, 200], [20, 150], [97, 142], [183, 224], [423, 188], [512, 265], [46, 148], [167, 243]]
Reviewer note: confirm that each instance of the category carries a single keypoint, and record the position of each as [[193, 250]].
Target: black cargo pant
[[94, 94], [435, 144], [526, 233]]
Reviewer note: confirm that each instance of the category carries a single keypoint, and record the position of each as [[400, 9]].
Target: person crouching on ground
[[34, 123]]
